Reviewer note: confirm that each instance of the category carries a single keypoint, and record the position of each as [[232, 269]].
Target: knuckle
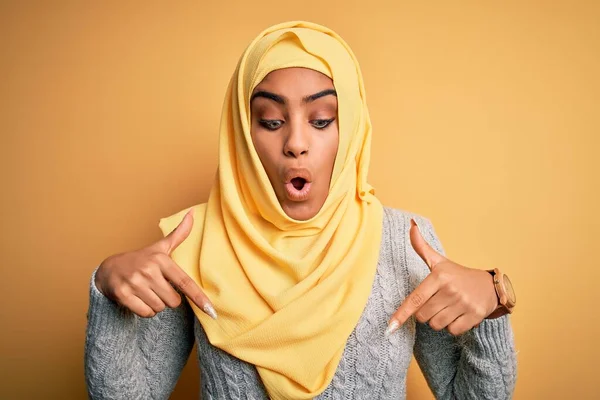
[[172, 299], [147, 271], [136, 280], [119, 293], [462, 299], [143, 311], [416, 299], [454, 331], [435, 326], [174, 302], [451, 289], [156, 258], [480, 312], [184, 283], [442, 276], [421, 317]]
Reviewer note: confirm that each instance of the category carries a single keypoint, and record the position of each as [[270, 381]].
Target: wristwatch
[[505, 292]]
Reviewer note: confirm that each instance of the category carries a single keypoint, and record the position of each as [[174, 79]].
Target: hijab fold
[[288, 293]]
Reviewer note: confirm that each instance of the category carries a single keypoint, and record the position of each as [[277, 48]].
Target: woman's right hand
[[139, 280]]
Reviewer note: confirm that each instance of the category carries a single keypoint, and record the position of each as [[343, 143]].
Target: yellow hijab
[[288, 293]]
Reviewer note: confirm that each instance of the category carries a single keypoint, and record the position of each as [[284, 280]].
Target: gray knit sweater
[[127, 357]]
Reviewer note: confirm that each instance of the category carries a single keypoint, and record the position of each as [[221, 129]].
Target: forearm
[[128, 357], [481, 364]]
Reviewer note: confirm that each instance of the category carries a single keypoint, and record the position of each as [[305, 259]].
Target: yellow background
[[486, 120]]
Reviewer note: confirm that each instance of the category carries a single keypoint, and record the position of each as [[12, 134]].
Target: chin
[[300, 211]]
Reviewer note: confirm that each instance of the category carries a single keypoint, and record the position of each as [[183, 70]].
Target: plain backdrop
[[486, 121]]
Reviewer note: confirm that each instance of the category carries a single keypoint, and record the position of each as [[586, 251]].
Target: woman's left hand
[[451, 296]]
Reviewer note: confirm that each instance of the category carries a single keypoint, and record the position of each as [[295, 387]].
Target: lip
[[291, 192], [294, 194], [297, 173]]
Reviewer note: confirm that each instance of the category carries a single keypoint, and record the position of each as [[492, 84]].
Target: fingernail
[[392, 327], [210, 310], [414, 222]]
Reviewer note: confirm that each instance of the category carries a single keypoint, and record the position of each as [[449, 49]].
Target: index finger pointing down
[[412, 303], [188, 287]]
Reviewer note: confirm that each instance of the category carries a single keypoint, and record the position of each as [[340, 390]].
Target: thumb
[[423, 249], [170, 242]]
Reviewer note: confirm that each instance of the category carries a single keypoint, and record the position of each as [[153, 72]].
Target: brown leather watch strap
[[503, 306]]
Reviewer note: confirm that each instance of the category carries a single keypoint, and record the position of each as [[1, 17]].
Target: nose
[[297, 140]]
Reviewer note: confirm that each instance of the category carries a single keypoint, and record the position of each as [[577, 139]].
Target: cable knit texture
[[127, 357]]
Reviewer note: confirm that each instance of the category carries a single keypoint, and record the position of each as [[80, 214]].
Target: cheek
[[266, 150], [260, 144], [332, 149]]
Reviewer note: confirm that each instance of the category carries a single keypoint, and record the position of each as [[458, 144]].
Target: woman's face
[[295, 133]]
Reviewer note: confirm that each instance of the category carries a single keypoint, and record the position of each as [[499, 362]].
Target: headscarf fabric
[[288, 293]]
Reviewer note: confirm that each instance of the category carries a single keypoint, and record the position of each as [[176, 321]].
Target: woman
[[300, 283]]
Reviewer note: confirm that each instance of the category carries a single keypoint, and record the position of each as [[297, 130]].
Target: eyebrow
[[281, 100]]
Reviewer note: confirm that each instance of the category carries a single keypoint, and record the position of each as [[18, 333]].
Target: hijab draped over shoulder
[[288, 293]]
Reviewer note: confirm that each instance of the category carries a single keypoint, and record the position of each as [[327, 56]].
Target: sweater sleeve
[[128, 357], [479, 364]]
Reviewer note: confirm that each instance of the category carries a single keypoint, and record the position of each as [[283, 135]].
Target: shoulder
[[397, 215], [396, 240], [396, 224]]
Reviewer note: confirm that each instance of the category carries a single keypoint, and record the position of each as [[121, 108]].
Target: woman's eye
[[271, 124], [321, 123]]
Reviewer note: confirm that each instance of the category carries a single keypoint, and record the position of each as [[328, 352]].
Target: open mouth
[[297, 184]]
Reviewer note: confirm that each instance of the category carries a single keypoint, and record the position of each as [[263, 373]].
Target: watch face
[[510, 292]]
